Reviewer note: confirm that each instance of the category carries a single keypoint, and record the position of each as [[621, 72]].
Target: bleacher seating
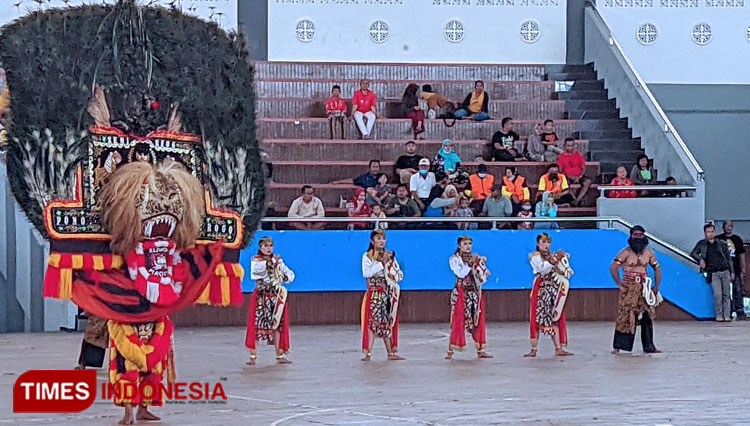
[[294, 131]]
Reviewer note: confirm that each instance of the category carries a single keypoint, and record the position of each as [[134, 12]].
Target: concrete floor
[[701, 379]]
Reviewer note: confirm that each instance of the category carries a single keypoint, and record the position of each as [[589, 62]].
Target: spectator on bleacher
[[674, 194], [402, 206], [535, 149], [550, 141], [377, 212], [443, 199], [714, 259], [382, 191], [736, 252], [446, 160], [364, 108], [407, 164], [643, 173], [546, 208], [481, 187], [556, 183], [526, 213], [476, 104], [573, 166], [497, 205], [307, 206], [410, 109], [464, 210], [434, 101], [504, 142], [367, 180], [422, 183], [336, 112], [622, 179], [358, 207], [514, 187], [267, 165]]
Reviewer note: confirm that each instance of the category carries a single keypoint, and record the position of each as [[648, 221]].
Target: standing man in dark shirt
[[715, 260], [504, 141], [407, 164], [736, 252]]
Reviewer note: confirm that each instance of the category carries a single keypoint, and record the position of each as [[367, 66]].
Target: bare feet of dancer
[[282, 360], [531, 354], [562, 352], [144, 414], [367, 357], [483, 354], [615, 352], [128, 417], [395, 357], [449, 355], [253, 357]]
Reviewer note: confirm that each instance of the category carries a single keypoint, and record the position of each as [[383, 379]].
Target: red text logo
[[54, 391]]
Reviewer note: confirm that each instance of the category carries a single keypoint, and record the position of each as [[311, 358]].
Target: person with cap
[[638, 299], [481, 187], [421, 183], [497, 205]]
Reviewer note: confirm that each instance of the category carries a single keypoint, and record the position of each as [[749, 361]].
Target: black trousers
[[625, 341], [91, 356]]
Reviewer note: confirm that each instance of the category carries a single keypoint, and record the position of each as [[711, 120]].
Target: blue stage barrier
[[332, 261]]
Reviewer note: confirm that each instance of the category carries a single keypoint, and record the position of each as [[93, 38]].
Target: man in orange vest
[[556, 183], [514, 187], [481, 187]]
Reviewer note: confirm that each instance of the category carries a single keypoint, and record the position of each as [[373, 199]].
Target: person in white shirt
[[548, 294], [467, 300], [421, 183], [307, 206], [268, 312], [380, 304]]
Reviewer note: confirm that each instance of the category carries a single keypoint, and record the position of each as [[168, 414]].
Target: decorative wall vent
[[305, 30], [379, 32], [702, 34], [454, 31], [647, 34], [530, 31]]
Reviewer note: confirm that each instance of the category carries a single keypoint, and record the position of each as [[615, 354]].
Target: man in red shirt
[[573, 166], [364, 104], [336, 111]]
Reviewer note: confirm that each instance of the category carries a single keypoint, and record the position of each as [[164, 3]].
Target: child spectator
[[433, 101], [550, 141], [464, 210], [336, 111], [358, 207], [622, 179], [526, 213], [382, 191], [377, 212]]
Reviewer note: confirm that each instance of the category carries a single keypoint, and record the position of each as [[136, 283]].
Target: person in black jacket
[[410, 109], [476, 104], [715, 260]]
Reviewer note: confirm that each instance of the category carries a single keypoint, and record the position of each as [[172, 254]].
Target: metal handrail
[[611, 220], [640, 83], [671, 188]]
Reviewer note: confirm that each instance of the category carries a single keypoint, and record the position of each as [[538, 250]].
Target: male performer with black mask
[[638, 300]]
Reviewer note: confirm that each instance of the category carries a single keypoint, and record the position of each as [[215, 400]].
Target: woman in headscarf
[[380, 304], [268, 313], [358, 207], [467, 300], [446, 160], [411, 109], [548, 295], [546, 208]]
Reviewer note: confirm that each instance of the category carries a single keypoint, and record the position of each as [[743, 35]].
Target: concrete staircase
[[597, 118], [294, 131]]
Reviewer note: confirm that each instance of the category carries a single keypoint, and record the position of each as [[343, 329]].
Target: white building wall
[[340, 31], [674, 56]]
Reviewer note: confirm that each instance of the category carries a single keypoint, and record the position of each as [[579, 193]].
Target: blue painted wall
[[331, 261]]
